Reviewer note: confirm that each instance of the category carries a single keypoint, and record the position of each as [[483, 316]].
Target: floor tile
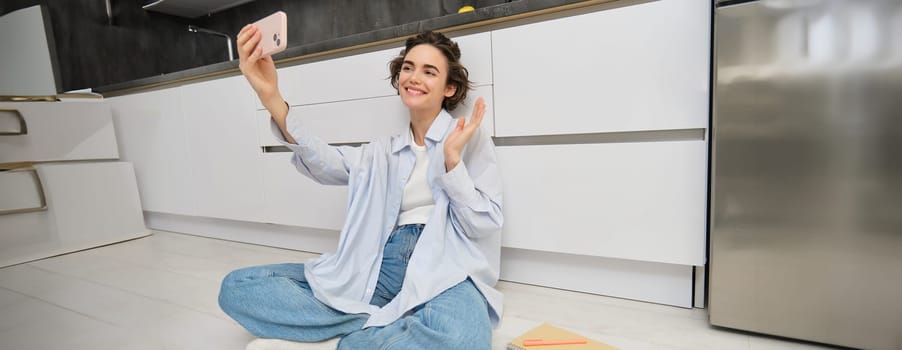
[[223, 250], [73, 264], [191, 330], [120, 339], [180, 289], [9, 297], [34, 324], [104, 303], [140, 254]]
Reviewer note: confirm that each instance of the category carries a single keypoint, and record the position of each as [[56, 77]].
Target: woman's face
[[422, 81]]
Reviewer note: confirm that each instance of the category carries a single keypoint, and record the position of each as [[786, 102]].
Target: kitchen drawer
[[22, 191], [93, 201], [339, 79], [364, 120], [476, 56], [632, 68], [56, 131], [294, 199], [638, 201], [343, 122], [89, 204]]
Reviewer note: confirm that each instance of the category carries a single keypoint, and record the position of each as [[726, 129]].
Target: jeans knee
[[228, 293], [225, 296], [476, 334], [461, 315]]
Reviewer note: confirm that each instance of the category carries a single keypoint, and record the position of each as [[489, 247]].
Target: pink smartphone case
[[275, 33]]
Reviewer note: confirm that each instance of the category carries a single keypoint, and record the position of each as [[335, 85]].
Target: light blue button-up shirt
[[461, 239]]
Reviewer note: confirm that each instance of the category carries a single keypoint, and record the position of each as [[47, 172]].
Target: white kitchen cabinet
[[638, 201], [222, 149], [630, 208], [153, 137], [294, 199], [365, 75], [476, 56], [637, 67], [88, 204], [56, 131]]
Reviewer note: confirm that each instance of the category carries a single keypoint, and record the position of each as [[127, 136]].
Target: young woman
[[418, 256]]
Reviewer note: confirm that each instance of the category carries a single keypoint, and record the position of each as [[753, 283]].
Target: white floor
[[160, 292]]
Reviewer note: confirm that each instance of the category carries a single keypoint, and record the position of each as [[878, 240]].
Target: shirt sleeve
[[474, 188], [316, 159]]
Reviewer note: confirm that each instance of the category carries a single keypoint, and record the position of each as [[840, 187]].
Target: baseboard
[[660, 283], [291, 237], [71, 248], [654, 282]]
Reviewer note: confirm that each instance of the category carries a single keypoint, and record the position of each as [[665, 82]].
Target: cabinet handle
[[37, 180], [13, 113]]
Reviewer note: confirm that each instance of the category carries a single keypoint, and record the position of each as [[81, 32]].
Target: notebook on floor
[[551, 333]]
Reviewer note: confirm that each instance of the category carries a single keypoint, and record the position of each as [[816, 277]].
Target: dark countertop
[[482, 16]]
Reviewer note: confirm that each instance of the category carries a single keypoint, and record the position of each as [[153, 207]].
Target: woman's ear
[[450, 90]]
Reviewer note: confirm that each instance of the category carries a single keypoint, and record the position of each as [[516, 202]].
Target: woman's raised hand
[[461, 134], [259, 71]]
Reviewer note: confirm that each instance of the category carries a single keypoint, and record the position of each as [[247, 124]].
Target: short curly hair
[[458, 76]]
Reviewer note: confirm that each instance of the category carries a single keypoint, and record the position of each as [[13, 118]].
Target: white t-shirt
[[417, 201]]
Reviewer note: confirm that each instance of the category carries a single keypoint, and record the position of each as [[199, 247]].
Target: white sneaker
[[279, 344]]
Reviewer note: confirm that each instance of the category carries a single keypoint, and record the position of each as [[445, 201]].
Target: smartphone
[[274, 29]]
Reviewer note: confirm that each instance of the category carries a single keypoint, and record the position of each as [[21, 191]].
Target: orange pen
[[540, 342]]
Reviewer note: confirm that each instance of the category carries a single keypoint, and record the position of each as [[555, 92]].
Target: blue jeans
[[275, 301]]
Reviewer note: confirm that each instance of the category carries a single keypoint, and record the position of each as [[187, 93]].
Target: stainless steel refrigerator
[[806, 196]]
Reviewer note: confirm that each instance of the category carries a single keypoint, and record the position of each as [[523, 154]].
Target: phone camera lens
[[278, 42], [275, 37]]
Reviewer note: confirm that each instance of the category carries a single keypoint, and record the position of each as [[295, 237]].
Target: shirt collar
[[436, 132]]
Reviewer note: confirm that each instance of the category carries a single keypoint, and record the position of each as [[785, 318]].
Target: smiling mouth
[[414, 92]]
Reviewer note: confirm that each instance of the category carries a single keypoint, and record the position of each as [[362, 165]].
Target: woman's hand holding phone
[[260, 72], [256, 43]]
